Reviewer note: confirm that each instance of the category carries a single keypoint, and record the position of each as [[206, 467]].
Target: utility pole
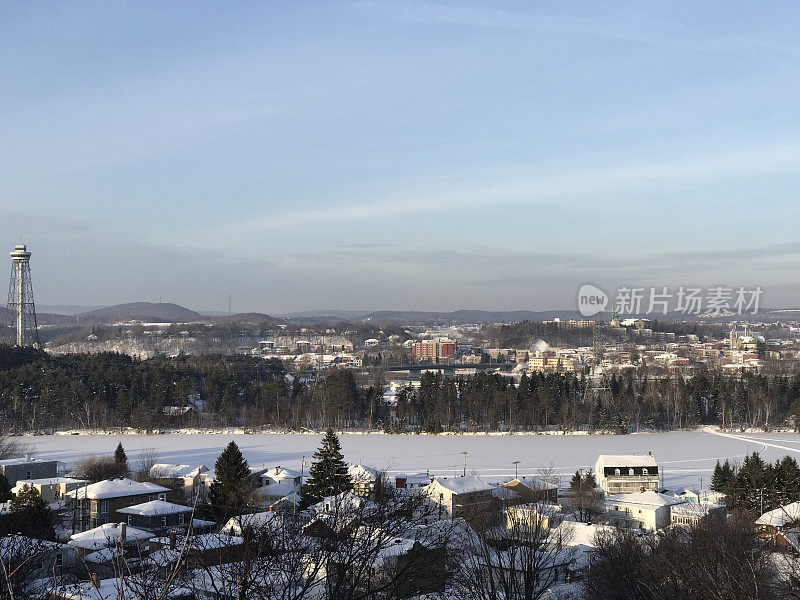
[[516, 471], [465, 465]]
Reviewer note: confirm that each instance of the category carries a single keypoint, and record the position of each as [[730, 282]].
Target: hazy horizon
[[397, 155]]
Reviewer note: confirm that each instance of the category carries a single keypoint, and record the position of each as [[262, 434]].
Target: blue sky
[[399, 155]]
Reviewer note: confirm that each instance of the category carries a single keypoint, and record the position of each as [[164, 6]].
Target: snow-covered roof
[[254, 521], [533, 483], [462, 485], [573, 533], [504, 493], [648, 498], [17, 544], [416, 478], [107, 535], [277, 472], [276, 490], [626, 460], [155, 508], [362, 473], [19, 461], [207, 541], [51, 481], [167, 471], [691, 509], [114, 488], [780, 517]]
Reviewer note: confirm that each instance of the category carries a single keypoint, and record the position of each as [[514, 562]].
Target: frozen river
[[684, 456]]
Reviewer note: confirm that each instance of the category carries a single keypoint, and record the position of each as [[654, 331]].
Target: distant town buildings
[[437, 351]]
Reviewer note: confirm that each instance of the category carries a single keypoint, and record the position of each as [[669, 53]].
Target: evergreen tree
[[328, 474], [30, 515], [121, 460], [232, 487], [722, 476], [5, 489]]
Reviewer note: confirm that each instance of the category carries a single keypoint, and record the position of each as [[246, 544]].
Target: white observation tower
[[20, 306]]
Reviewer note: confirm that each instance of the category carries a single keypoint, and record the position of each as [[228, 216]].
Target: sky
[[399, 155]]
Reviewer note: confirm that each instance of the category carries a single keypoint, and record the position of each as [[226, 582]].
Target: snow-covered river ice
[[684, 456]]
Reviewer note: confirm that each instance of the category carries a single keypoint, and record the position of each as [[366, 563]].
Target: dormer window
[[644, 471], [617, 472], [630, 471]]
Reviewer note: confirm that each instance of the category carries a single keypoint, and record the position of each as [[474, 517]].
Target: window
[[104, 507], [162, 497], [630, 471], [163, 521], [644, 471], [132, 500], [181, 519], [59, 560], [130, 519], [617, 472], [28, 475]]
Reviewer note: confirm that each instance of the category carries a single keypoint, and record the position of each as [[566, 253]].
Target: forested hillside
[[39, 392]]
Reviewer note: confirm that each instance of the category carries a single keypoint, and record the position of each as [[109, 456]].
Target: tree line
[[112, 390]]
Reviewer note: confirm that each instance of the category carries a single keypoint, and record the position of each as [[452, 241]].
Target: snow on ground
[[684, 456]]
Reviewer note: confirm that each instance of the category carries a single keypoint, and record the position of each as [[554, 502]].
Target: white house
[[641, 510], [460, 496], [689, 513], [626, 473], [364, 479]]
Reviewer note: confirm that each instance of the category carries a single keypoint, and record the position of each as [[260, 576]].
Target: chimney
[[276, 469], [123, 532], [173, 542]]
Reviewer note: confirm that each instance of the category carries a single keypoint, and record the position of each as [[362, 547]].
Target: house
[[364, 479], [108, 535], [466, 497], [100, 548], [647, 510], [42, 558], [188, 477], [98, 503], [268, 521], [30, 468], [533, 516], [623, 474], [689, 513], [281, 476], [530, 489], [51, 489], [198, 551], [157, 515], [780, 519], [277, 483], [412, 482]]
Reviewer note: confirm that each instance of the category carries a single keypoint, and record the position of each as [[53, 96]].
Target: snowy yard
[[684, 457]]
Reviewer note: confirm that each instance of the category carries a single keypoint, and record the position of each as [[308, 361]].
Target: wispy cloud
[[538, 188]]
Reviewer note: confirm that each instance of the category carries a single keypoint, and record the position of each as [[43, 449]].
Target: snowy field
[[684, 456]]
